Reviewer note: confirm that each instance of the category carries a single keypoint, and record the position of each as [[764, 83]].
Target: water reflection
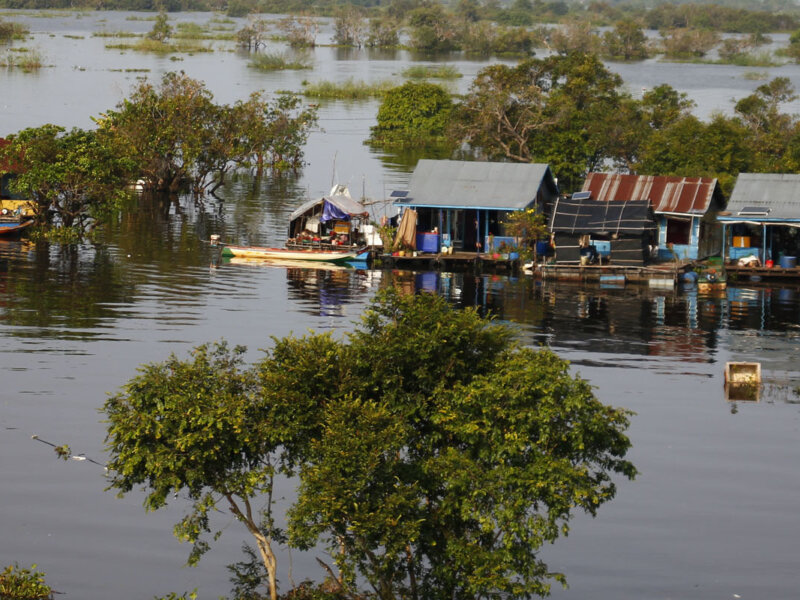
[[614, 326]]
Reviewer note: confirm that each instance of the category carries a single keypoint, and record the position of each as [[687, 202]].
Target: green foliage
[[184, 596], [627, 41], [413, 111], [10, 30], [432, 72], [161, 30], [23, 59], [346, 90], [527, 226], [196, 427], [72, 178], [435, 456], [384, 32], [23, 584], [685, 42], [444, 466], [559, 110], [432, 29], [177, 136], [276, 62]]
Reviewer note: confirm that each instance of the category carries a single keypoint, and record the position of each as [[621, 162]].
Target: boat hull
[[13, 229], [331, 256]]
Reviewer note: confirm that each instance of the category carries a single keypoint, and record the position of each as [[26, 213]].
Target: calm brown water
[[712, 515]]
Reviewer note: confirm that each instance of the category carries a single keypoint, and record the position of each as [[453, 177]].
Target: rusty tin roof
[[667, 194]]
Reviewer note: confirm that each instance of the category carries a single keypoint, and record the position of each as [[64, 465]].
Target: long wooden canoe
[[332, 256]]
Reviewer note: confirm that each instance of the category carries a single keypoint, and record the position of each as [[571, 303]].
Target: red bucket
[[769, 263]]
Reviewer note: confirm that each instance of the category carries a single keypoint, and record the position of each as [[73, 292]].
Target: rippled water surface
[[713, 513]]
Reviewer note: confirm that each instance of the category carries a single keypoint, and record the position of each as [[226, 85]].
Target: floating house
[[685, 209], [762, 219], [462, 205], [580, 224]]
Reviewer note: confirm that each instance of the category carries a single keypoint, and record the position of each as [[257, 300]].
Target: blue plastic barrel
[[788, 262]]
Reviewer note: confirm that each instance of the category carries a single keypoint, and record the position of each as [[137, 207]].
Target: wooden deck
[[737, 274], [661, 274], [445, 262]]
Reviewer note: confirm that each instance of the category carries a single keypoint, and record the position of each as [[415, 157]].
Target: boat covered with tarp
[[333, 220]]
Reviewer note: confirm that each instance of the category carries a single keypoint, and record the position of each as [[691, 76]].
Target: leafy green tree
[[434, 454], [71, 177], [197, 428], [162, 30], [557, 110], [528, 226], [384, 32], [772, 130], [413, 111], [689, 147], [441, 467], [636, 120], [575, 37], [178, 137], [688, 43], [627, 41], [164, 129], [432, 29]]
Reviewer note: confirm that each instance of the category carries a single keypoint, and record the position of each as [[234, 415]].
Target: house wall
[[687, 251]]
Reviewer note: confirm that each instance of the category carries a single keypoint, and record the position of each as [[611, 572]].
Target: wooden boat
[[710, 281], [287, 264], [15, 215], [13, 228], [331, 256]]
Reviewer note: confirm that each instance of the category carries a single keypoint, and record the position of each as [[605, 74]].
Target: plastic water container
[[788, 262]]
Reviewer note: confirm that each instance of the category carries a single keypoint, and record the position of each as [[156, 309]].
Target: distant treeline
[[730, 17]]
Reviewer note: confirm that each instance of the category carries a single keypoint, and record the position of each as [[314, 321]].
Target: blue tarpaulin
[[331, 212]]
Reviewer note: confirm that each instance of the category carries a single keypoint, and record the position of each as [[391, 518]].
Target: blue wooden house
[[463, 204], [762, 218], [685, 209]]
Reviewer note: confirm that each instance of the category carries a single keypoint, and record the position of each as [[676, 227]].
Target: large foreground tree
[[433, 454]]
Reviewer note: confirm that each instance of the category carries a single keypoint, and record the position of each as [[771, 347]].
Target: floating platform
[[756, 274], [447, 262], [654, 275]]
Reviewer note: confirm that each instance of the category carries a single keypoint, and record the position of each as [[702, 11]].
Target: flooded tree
[[179, 138], [71, 178]]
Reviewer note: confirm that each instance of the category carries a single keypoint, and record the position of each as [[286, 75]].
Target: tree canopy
[[71, 177], [178, 137], [433, 454]]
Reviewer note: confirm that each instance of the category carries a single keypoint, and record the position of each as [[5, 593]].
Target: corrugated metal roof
[[778, 192], [485, 185], [667, 194]]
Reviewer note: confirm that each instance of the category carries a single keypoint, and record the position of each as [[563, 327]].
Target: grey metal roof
[[485, 185], [778, 192]]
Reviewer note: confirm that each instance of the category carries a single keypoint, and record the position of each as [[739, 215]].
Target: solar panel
[[582, 196], [756, 211], [398, 194]]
